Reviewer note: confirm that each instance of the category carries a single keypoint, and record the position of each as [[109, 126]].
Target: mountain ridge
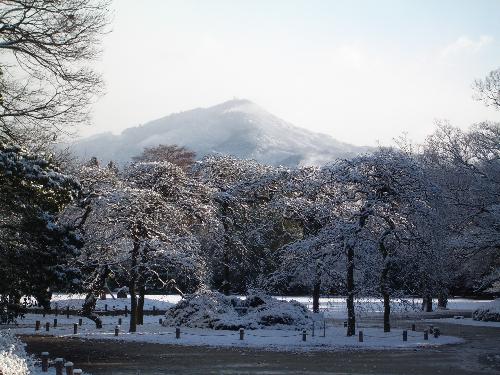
[[236, 127]]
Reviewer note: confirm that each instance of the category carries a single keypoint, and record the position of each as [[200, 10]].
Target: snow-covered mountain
[[236, 127]]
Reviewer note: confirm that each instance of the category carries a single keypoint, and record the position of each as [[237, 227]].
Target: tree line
[[420, 220]]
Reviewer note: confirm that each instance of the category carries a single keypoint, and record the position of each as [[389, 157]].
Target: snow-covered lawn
[[269, 339], [464, 322], [75, 302], [333, 307]]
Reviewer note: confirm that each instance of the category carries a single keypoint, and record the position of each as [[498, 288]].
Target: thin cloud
[[464, 44]]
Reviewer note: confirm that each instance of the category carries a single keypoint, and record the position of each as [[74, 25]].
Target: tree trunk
[[89, 304], [387, 312], [351, 314], [384, 285], [226, 285], [427, 303], [443, 300], [134, 256], [133, 306], [316, 294], [140, 305]]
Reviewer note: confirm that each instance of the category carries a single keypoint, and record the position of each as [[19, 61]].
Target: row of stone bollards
[[61, 367]]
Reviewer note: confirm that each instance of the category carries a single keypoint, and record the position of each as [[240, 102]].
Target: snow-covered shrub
[[489, 312], [210, 309], [13, 357]]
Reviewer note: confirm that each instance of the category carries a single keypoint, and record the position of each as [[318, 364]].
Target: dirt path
[[480, 354]]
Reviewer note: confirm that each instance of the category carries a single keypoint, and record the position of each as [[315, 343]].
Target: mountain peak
[[237, 127]]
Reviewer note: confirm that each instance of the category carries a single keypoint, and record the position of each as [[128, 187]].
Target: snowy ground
[[282, 340], [464, 322], [334, 307]]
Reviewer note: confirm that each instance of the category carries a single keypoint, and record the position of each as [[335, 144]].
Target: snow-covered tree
[[137, 226], [35, 248], [240, 189]]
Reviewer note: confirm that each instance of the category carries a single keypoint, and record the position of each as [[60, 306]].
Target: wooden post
[[431, 329], [119, 321], [47, 327], [55, 323], [177, 333], [360, 337], [43, 314], [304, 335], [69, 368], [80, 321], [405, 335], [154, 310], [75, 329], [426, 335], [45, 361], [413, 327], [59, 364], [56, 312], [117, 330], [126, 311], [98, 324], [324, 328], [313, 328], [106, 307], [67, 312], [37, 325], [242, 333], [160, 321]]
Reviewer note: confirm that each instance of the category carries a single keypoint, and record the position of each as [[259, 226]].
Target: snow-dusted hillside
[[237, 127]]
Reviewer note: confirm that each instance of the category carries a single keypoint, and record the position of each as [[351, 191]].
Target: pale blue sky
[[362, 71]]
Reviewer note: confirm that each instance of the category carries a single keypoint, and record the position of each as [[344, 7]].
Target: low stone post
[[304, 335], [47, 327], [37, 325], [177, 333], [69, 368], [75, 329], [360, 336], [45, 361], [405, 335], [59, 365], [242, 333]]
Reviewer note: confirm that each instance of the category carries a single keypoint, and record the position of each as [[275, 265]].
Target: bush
[[489, 312], [210, 309]]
